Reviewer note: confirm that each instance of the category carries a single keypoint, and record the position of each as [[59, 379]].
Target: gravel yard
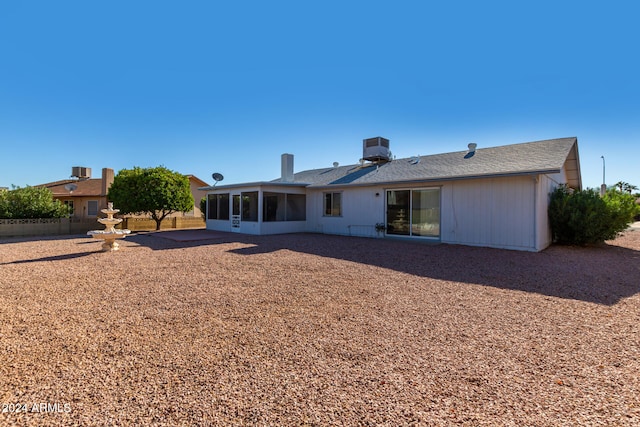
[[317, 330]]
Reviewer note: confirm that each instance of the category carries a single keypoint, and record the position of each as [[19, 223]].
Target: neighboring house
[[85, 196], [494, 197], [88, 196], [196, 184]]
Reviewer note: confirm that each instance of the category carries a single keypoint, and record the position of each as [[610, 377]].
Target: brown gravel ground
[[317, 330]]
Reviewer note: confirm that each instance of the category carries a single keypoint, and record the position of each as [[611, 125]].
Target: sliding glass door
[[414, 212], [425, 212], [398, 211]]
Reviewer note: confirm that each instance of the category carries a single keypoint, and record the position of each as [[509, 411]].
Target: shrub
[[203, 208], [623, 208], [583, 217], [31, 202]]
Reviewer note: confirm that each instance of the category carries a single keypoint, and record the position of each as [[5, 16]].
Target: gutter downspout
[[536, 180]]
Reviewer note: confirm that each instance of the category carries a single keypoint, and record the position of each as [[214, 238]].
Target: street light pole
[[603, 187]]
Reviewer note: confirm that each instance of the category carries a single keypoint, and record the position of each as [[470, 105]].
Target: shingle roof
[[89, 187], [84, 187], [546, 156]]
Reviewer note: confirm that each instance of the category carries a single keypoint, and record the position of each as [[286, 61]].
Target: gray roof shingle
[[546, 156]]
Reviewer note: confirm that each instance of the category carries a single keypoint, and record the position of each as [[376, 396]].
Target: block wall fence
[[67, 226]]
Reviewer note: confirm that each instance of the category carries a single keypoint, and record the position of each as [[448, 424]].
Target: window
[[284, 207], [250, 206], [332, 204], [69, 204], [218, 206], [92, 208]]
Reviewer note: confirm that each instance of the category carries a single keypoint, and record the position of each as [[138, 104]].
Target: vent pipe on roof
[[286, 167], [472, 150]]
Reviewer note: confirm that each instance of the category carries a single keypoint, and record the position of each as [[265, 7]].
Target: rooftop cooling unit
[[80, 172], [376, 149]]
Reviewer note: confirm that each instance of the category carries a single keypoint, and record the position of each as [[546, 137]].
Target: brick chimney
[[107, 180]]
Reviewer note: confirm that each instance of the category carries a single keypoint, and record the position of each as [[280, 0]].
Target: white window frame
[[324, 203]]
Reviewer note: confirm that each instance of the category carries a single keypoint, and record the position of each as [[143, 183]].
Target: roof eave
[[438, 179], [254, 184], [198, 180]]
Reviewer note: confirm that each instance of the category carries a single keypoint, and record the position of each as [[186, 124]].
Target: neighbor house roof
[[90, 187], [197, 180], [84, 187], [530, 158]]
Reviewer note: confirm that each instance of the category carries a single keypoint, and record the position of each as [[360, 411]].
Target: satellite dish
[[217, 177], [70, 187]]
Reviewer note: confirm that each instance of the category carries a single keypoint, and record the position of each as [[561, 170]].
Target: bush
[[31, 202], [623, 208], [583, 217], [203, 208]]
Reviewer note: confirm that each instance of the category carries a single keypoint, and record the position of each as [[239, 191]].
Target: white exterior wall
[[495, 212], [546, 184], [508, 212], [218, 224], [361, 211]]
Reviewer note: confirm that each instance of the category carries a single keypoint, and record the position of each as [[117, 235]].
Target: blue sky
[[204, 86]]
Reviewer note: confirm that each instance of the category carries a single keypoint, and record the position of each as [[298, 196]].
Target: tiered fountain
[[109, 234]]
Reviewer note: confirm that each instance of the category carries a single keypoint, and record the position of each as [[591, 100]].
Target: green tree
[[625, 187], [157, 191], [622, 207], [31, 202]]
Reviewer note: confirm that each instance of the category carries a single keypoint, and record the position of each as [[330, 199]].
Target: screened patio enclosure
[[257, 210]]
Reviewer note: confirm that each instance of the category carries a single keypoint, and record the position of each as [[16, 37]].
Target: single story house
[[493, 197], [87, 196], [84, 195]]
